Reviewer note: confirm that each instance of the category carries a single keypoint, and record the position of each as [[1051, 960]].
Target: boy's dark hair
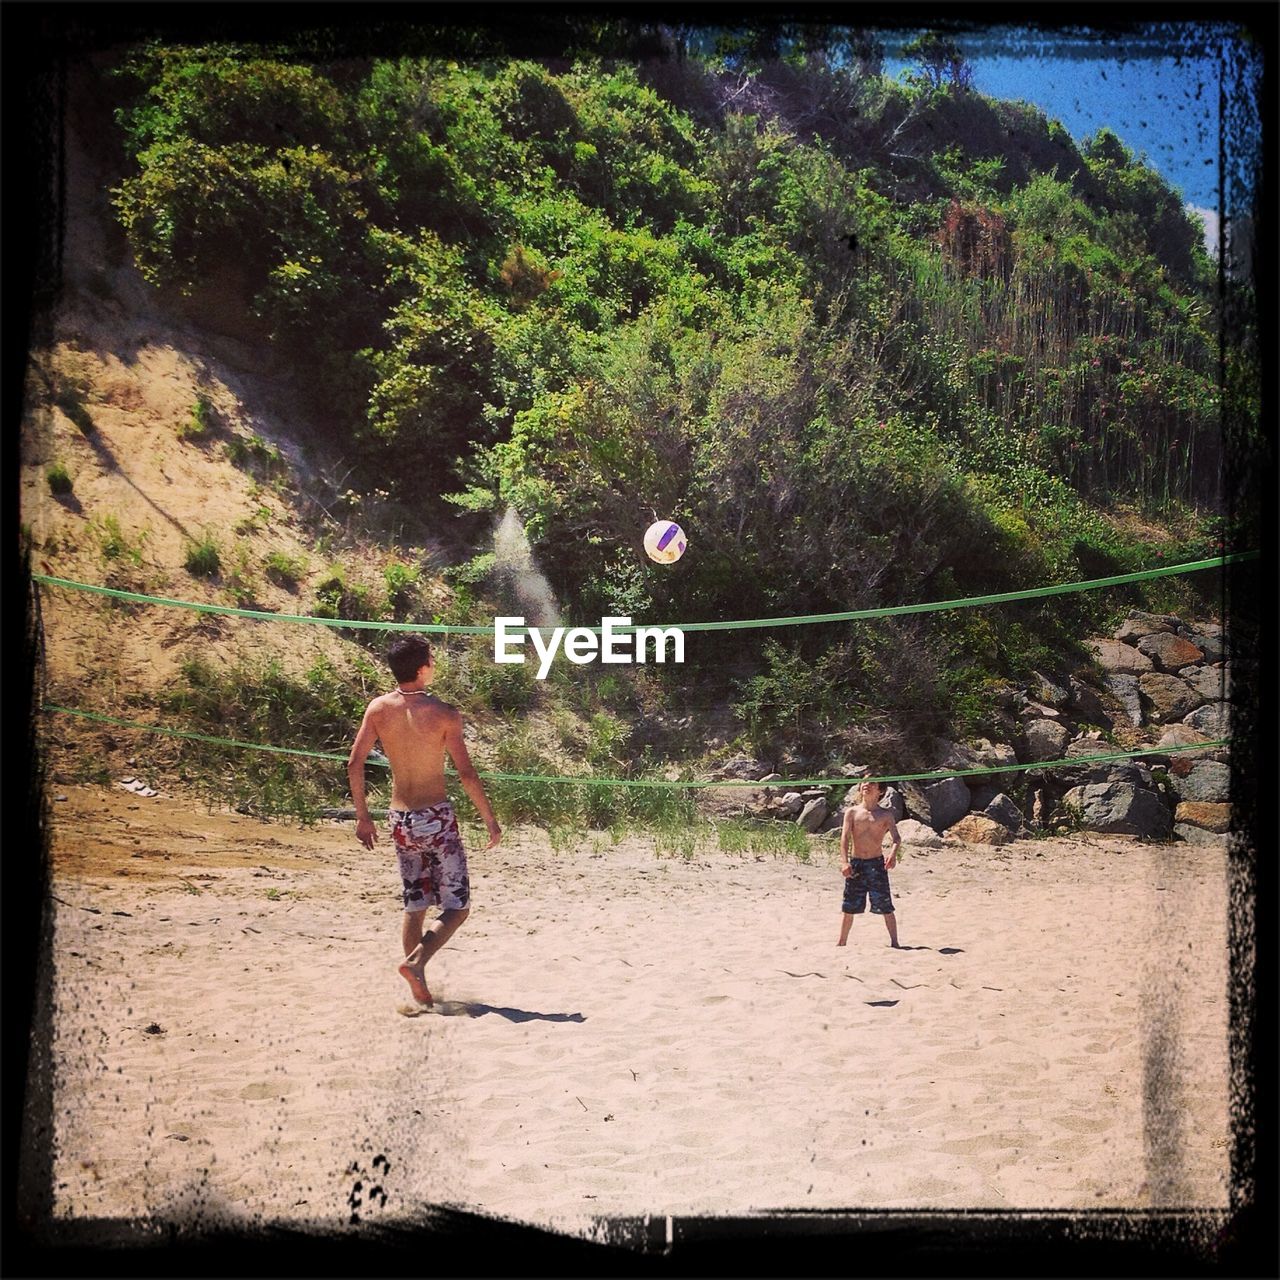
[[407, 655]]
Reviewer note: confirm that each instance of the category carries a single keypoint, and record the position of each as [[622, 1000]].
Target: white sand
[[618, 1033]]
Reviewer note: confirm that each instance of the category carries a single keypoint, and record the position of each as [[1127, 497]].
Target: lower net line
[[934, 775]]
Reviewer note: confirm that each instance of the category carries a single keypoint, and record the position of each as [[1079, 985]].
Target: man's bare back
[[414, 729]]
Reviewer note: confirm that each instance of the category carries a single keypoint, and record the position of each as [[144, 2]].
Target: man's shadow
[[469, 1009], [942, 951]]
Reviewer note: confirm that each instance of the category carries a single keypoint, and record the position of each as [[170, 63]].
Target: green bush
[[199, 424], [114, 543], [203, 557], [286, 570], [58, 478]]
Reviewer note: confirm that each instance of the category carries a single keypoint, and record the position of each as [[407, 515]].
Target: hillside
[[866, 356]]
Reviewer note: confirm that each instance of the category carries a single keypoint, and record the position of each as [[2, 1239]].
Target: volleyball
[[664, 541]]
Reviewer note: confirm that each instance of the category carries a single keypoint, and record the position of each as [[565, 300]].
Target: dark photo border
[[38, 40]]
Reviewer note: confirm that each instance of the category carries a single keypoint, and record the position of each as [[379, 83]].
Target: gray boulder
[[1197, 835], [1168, 697], [1121, 809], [941, 804], [1046, 740], [1169, 652], [981, 794], [1208, 781], [1214, 648], [991, 755], [1139, 624], [1050, 691], [813, 815], [1136, 773], [1087, 703], [1213, 719], [1005, 812], [891, 799], [1128, 693], [790, 805], [919, 835], [1209, 682]]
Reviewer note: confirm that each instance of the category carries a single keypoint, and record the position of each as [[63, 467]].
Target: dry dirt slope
[[110, 397]]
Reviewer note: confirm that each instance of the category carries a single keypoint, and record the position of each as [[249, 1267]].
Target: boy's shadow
[[468, 1009], [942, 951]]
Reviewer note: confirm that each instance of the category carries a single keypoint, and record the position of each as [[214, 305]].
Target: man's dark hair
[[407, 655]]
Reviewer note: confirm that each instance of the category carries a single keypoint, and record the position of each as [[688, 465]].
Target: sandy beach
[[621, 1033]]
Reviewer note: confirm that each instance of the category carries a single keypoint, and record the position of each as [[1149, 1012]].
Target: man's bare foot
[[841, 943], [416, 984]]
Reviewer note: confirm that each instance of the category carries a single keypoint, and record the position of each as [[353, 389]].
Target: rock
[[1121, 809], [814, 793], [981, 795], [1179, 766], [813, 815], [1207, 628], [1038, 711], [1045, 740], [1206, 781], [1196, 835], [1087, 703], [1049, 691], [979, 753], [790, 805], [1213, 719], [1128, 693], [976, 828], [1208, 682], [854, 771], [1004, 811], [742, 768], [1114, 656], [1092, 771], [990, 755], [771, 777], [891, 799], [1169, 652], [1168, 697], [1180, 735], [832, 822], [919, 835], [1213, 647], [1209, 817], [939, 803], [1139, 625]]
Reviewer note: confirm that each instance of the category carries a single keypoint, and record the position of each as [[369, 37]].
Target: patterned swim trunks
[[868, 876], [433, 863]]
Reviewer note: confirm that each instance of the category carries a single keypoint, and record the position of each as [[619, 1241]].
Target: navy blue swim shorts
[[868, 876]]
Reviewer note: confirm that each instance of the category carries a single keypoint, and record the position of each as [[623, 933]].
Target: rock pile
[[1157, 682]]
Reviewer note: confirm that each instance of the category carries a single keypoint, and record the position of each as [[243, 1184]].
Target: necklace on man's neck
[[407, 692]]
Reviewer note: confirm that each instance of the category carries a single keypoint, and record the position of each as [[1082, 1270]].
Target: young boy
[[867, 872], [416, 729]]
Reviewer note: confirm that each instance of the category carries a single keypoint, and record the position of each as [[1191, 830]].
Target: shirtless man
[[416, 729], [866, 824]]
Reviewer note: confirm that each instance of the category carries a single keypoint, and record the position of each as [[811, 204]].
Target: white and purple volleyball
[[664, 541]]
